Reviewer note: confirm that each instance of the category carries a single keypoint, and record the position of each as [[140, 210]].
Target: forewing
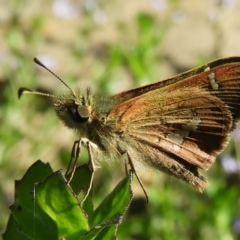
[[219, 65]]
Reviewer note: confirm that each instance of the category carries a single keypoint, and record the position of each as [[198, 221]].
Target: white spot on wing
[[192, 125], [206, 69], [178, 136], [212, 81], [175, 138], [176, 148]]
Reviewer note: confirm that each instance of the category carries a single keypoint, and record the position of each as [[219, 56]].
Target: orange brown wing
[[191, 125], [183, 126]]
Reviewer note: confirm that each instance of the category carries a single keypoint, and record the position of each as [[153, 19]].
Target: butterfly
[[177, 126]]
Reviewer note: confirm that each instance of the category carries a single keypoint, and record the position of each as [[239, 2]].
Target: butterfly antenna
[[22, 91], [42, 65]]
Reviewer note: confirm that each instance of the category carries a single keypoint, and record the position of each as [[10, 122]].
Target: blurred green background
[[114, 46]]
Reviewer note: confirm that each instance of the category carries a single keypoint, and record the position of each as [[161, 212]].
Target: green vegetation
[[130, 55]]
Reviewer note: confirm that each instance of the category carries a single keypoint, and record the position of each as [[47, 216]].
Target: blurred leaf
[[145, 22]]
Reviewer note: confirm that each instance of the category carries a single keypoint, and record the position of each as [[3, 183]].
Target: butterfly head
[[74, 111]]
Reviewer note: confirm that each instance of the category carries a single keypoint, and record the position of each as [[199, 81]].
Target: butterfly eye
[[79, 113]]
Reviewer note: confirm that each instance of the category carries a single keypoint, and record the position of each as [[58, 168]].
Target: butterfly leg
[[75, 153], [90, 147], [74, 156], [135, 172]]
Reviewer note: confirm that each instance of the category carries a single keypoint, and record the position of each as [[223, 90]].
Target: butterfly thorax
[[87, 114]]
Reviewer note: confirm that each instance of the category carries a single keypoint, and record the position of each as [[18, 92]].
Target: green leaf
[[47, 207], [110, 212], [107, 233], [103, 232], [114, 206], [23, 208], [12, 232], [57, 200], [80, 184], [81, 179]]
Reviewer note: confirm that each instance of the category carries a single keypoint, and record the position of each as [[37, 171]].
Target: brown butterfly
[[178, 125]]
